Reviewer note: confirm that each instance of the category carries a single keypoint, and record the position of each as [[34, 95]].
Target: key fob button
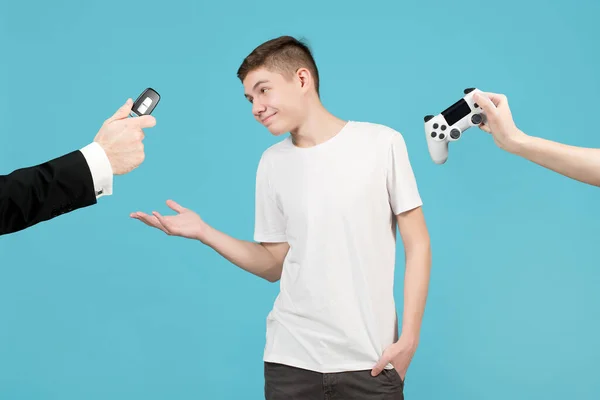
[[146, 102]]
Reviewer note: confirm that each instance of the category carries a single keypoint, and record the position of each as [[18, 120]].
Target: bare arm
[[417, 249], [412, 228], [261, 259], [579, 163]]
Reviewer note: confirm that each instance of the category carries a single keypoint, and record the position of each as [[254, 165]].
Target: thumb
[[122, 112], [383, 361], [175, 207], [145, 121], [485, 103]]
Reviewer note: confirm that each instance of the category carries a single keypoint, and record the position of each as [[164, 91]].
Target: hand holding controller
[[450, 124]]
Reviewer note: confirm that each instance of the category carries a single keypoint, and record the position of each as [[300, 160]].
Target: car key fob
[[145, 103]]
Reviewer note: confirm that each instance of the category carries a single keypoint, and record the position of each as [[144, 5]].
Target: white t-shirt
[[335, 204]]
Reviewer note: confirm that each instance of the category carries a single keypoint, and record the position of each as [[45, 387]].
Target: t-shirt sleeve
[[269, 225], [401, 183]]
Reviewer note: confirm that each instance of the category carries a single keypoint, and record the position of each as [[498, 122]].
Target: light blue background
[[95, 305]]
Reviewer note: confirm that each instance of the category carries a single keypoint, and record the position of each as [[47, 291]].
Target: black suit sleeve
[[35, 194]]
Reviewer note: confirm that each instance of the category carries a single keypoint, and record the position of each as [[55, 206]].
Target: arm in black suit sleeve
[[35, 194]]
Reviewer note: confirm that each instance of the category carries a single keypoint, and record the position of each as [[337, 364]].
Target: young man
[[328, 200], [579, 163]]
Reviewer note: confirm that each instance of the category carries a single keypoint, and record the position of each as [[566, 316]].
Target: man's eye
[[264, 90]]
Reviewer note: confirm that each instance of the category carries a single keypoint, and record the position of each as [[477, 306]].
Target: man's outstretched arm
[[579, 163], [264, 260], [35, 194], [32, 195]]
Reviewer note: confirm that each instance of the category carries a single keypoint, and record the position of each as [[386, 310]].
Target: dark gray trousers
[[283, 382]]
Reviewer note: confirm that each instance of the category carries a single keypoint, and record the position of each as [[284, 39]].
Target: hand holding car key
[[121, 139]]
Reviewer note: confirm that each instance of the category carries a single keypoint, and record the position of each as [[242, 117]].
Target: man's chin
[[277, 131]]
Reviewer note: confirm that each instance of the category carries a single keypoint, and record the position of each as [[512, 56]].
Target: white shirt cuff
[[102, 173]]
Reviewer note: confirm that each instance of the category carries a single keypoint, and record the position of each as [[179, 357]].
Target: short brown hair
[[284, 54]]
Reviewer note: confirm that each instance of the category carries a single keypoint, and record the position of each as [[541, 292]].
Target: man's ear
[[304, 78]]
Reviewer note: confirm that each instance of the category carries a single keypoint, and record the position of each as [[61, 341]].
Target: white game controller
[[450, 124]]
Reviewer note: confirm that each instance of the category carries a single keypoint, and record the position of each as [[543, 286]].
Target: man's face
[[276, 101]]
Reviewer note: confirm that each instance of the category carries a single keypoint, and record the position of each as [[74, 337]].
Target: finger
[[158, 224], [162, 221], [122, 112], [497, 98], [484, 101], [175, 207], [145, 121], [137, 215], [485, 128], [134, 134], [379, 366], [149, 220]]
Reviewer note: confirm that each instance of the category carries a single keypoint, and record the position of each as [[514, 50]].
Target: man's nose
[[258, 108]]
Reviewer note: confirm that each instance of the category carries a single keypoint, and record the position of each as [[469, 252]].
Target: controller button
[[476, 119], [427, 118], [433, 134], [442, 136], [476, 105], [443, 127], [435, 126], [468, 90], [455, 133]]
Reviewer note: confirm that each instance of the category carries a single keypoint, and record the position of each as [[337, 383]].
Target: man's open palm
[[185, 223]]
